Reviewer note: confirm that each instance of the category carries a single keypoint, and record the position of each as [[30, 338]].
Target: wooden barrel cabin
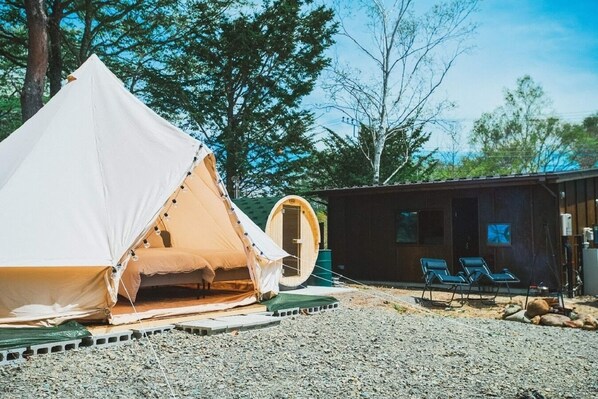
[[292, 223]]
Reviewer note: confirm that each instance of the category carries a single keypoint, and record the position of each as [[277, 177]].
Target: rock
[[589, 322], [530, 394], [552, 301], [554, 320], [519, 316], [510, 309], [573, 323], [539, 307], [573, 315]]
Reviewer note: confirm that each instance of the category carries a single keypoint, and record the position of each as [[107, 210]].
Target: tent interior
[[168, 301], [198, 255], [191, 259]]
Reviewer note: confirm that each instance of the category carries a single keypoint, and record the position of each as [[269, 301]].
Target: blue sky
[[554, 41]]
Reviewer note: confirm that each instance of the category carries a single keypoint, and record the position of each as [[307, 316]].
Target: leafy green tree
[[11, 82], [23, 48], [13, 34], [521, 136], [347, 161], [584, 141], [126, 34], [10, 112], [239, 84]]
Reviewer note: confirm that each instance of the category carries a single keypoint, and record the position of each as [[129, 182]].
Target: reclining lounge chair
[[477, 271], [436, 272]]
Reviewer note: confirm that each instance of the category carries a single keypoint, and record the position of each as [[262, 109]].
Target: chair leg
[[469, 290], [509, 292], [429, 288], [496, 292], [479, 291], [453, 297]]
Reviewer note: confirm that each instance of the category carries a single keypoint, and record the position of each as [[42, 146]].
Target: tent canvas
[[84, 181]]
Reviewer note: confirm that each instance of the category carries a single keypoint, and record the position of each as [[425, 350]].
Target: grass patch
[[399, 308]]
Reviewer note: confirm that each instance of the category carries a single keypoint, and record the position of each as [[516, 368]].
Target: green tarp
[[24, 337], [289, 301]]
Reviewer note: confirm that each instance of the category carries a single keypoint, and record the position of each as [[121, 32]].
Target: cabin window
[[499, 234], [420, 227], [407, 227]]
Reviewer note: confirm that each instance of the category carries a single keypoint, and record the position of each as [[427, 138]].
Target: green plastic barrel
[[322, 274]]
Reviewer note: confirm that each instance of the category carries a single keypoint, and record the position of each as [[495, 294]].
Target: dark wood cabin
[[379, 233]]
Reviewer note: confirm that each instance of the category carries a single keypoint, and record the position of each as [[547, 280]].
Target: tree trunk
[[379, 143], [55, 65], [231, 143], [86, 37], [230, 166], [37, 59]]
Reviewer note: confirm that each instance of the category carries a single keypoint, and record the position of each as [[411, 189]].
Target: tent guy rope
[[151, 345], [385, 296]]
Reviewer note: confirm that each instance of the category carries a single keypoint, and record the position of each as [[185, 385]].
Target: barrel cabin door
[[466, 236], [291, 239]]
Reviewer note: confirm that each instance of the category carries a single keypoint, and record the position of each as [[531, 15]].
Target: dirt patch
[[409, 300]]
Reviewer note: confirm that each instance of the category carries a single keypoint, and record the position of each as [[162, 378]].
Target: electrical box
[[590, 271], [566, 224], [588, 236]]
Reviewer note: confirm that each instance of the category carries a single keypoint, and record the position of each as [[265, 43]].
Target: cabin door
[[466, 233], [291, 239]]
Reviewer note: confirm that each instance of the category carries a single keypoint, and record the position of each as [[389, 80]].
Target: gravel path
[[356, 352]]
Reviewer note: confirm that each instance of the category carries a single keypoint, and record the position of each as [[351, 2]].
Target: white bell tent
[[85, 180]]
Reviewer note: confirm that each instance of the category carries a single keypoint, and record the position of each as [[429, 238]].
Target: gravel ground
[[367, 349]]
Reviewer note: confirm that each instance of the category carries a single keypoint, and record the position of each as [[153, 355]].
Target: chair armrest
[[428, 276], [507, 271], [476, 275]]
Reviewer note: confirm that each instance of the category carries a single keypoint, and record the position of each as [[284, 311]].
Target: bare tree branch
[[410, 59]]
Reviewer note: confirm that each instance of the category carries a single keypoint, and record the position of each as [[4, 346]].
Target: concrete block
[[145, 332], [330, 306], [287, 312], [53, 347], [248, 322], [226, 324], [106, 340], [203, 327], [13, 355], [264, 313], [323, 308]]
